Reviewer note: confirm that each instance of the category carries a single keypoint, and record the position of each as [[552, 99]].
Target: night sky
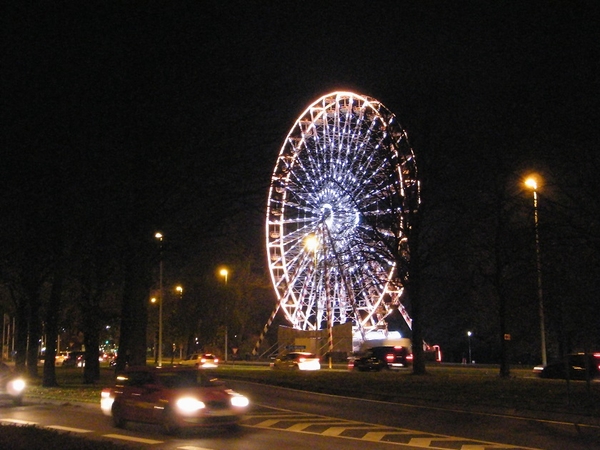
[[183, 105]]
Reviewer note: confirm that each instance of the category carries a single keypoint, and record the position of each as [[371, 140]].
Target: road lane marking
[[191, 447], [18, 422], [74, 430], [132, 439]]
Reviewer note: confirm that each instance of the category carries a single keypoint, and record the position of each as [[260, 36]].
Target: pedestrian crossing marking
[[337, 431], [377, 436], [361, 431], [426, 442]]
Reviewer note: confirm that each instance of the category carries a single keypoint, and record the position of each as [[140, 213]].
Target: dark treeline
[[118, 124]]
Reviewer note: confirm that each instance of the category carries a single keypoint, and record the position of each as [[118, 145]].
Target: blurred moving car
[[576, 365], [74, 359], [173, 397], [201, 361], [106, 357], [60, 357], [383, 357], [297, 361], [12, 385]]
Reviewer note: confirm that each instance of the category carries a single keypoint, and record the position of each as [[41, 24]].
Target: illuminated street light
[[225, 274], [311, 243], [159, 236], [469, 334], [531, 183]]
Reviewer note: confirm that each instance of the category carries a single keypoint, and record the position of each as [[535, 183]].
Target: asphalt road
[[284, 418]]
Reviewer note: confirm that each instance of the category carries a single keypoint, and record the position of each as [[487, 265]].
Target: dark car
[[173, 397], [74, 359], [577, 364], [12, 386], [384, 357]]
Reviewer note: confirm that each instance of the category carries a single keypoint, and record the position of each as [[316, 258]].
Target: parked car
[[12, 385], [173, 397], [383, 357], [576, 364], [201, 361], [297, 361]]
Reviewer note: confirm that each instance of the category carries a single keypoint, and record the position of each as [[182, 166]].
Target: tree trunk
[[21, 335], [134, 314], [49, 374]]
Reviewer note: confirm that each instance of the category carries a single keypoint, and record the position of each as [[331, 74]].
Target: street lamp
[[469, 334], [159, 236], [225, 273], [531, 183], [154, 300], [311, 243]]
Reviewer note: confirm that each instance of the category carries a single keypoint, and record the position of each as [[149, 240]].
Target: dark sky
[[211, 88]]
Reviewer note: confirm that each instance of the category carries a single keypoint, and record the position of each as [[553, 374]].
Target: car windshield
[[185, 379]]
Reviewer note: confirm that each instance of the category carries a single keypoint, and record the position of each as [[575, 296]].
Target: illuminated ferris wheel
[[341, 195]]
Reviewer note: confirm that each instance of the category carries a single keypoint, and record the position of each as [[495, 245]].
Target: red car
[[173, 397]]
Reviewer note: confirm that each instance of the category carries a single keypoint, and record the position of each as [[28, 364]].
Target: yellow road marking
[[18, 422], [74, 430], [132, 439]]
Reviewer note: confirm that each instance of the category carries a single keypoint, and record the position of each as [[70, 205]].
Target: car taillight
[[389, 357], [409, 357], [301, 359]]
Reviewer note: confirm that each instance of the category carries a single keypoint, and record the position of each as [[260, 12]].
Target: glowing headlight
[[189, 404], [239, 401], [16, 386], [106, 402]]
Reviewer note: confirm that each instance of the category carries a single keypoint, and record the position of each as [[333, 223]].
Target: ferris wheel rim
[[285, 251]]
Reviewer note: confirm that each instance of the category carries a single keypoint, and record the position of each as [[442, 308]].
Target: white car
[[201, 361], [297, 361]]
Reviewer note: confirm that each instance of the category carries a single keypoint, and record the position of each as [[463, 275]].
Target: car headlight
[[239, 401], [16, 386], [189, 405], [106, 402]]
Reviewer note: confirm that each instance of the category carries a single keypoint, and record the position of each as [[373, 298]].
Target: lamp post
[[469, 334], [225, 273], [311, 243], [179, 290], [532, 184], [159, 236]]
